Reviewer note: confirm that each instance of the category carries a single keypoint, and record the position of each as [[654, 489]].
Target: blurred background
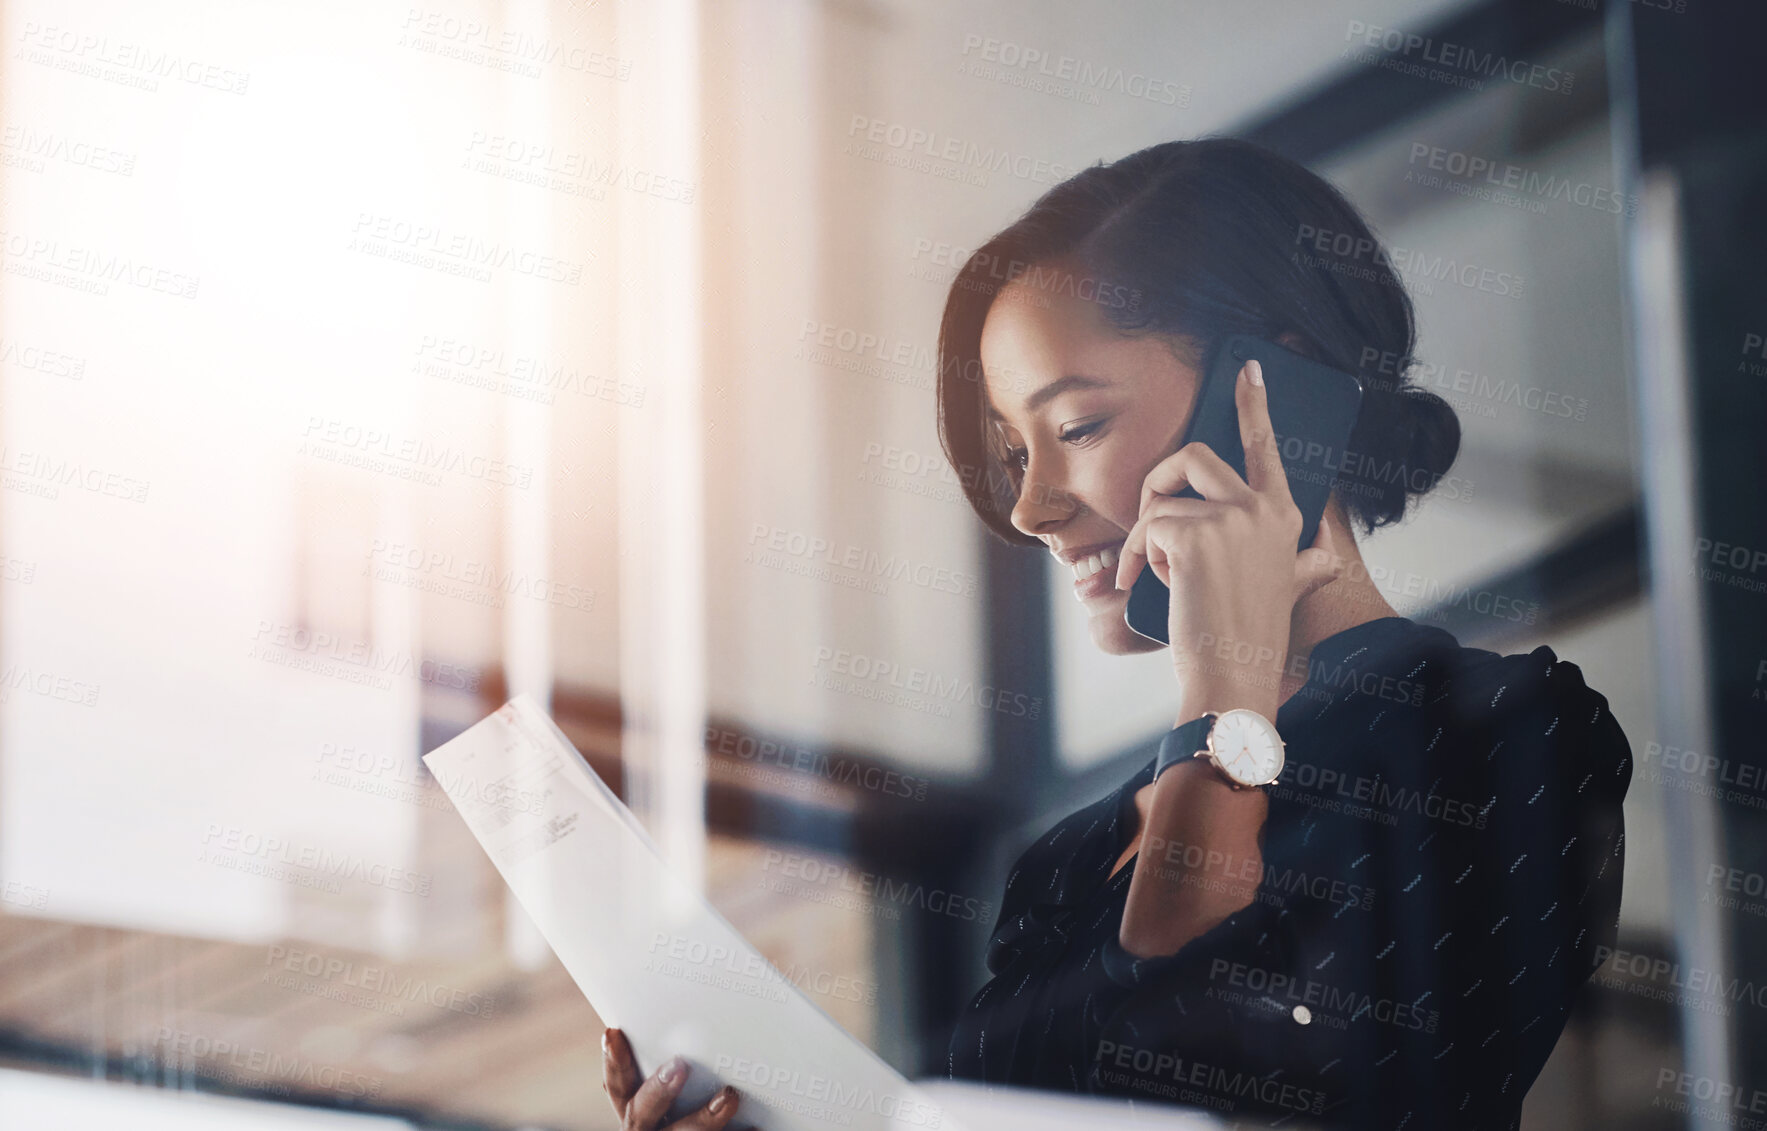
[[365, 364]]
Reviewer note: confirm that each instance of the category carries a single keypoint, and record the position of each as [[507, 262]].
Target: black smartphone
[[1312, 409]]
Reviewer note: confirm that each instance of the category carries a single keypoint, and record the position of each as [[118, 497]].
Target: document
[[651, 955]]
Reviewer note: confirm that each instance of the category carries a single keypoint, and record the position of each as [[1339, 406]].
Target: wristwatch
[[1242, 745]]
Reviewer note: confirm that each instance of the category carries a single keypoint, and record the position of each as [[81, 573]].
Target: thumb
[[1320, 563]]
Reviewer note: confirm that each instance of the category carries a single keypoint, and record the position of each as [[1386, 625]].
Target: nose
[[1043, 501]]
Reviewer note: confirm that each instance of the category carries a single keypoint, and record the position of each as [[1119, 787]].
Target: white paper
[[1035, 1109], [651, 955]]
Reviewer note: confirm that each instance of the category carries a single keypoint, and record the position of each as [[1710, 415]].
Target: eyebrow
[[1052, 390]]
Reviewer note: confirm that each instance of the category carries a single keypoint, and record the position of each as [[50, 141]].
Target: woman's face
[[1086, 412]]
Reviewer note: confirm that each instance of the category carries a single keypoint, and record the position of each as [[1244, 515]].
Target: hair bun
[[1404, 442], [1434, 431]]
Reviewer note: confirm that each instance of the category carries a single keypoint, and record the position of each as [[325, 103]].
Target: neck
[[1351, 599]]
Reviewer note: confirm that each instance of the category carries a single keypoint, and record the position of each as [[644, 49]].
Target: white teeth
[[1090, 565]]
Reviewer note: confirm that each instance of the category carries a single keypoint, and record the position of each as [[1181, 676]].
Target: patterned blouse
[[1441, 862]]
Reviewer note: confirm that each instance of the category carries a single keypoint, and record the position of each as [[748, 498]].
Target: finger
[[1263, 456], [656, 1094], [715, 1114], [1194, 465], [619, 1069], [1133, 555], [1163, 533], [1320, 563]]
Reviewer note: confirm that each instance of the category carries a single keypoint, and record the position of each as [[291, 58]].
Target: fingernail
[[670, 1071], [721, 1100], [607, 1044], [1255, 371]]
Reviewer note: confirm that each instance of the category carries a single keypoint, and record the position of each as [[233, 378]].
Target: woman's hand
[[1232, 553], [640, 1102]]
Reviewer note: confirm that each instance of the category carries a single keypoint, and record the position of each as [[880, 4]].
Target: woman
[[1392, 933]]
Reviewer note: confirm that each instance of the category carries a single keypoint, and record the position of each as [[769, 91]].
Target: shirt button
[[1303, 1014]]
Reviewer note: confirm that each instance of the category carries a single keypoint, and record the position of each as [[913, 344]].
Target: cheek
[[1117, 485]]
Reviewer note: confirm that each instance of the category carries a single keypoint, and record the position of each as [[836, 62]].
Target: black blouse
[[1441, 862]]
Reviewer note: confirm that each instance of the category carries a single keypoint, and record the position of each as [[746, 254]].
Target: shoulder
[[1475, 684], [1534, 700]]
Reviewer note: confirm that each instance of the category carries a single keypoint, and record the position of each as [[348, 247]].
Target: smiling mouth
[[1096, 574]]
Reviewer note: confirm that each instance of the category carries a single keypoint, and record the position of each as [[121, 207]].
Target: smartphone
[[1312, 409]]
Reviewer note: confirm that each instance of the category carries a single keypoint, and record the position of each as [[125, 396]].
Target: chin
[[1116, 638]]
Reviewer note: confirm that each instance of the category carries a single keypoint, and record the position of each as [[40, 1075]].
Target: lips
[[1095, 575]]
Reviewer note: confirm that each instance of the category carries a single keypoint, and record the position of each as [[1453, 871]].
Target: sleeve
[[1419, 934], [1213, 1025], [1039, 884]]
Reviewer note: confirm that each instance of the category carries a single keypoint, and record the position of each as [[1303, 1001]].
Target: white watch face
[[1246, 747]]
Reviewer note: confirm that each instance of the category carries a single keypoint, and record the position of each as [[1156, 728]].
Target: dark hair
[[1197, 240]]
